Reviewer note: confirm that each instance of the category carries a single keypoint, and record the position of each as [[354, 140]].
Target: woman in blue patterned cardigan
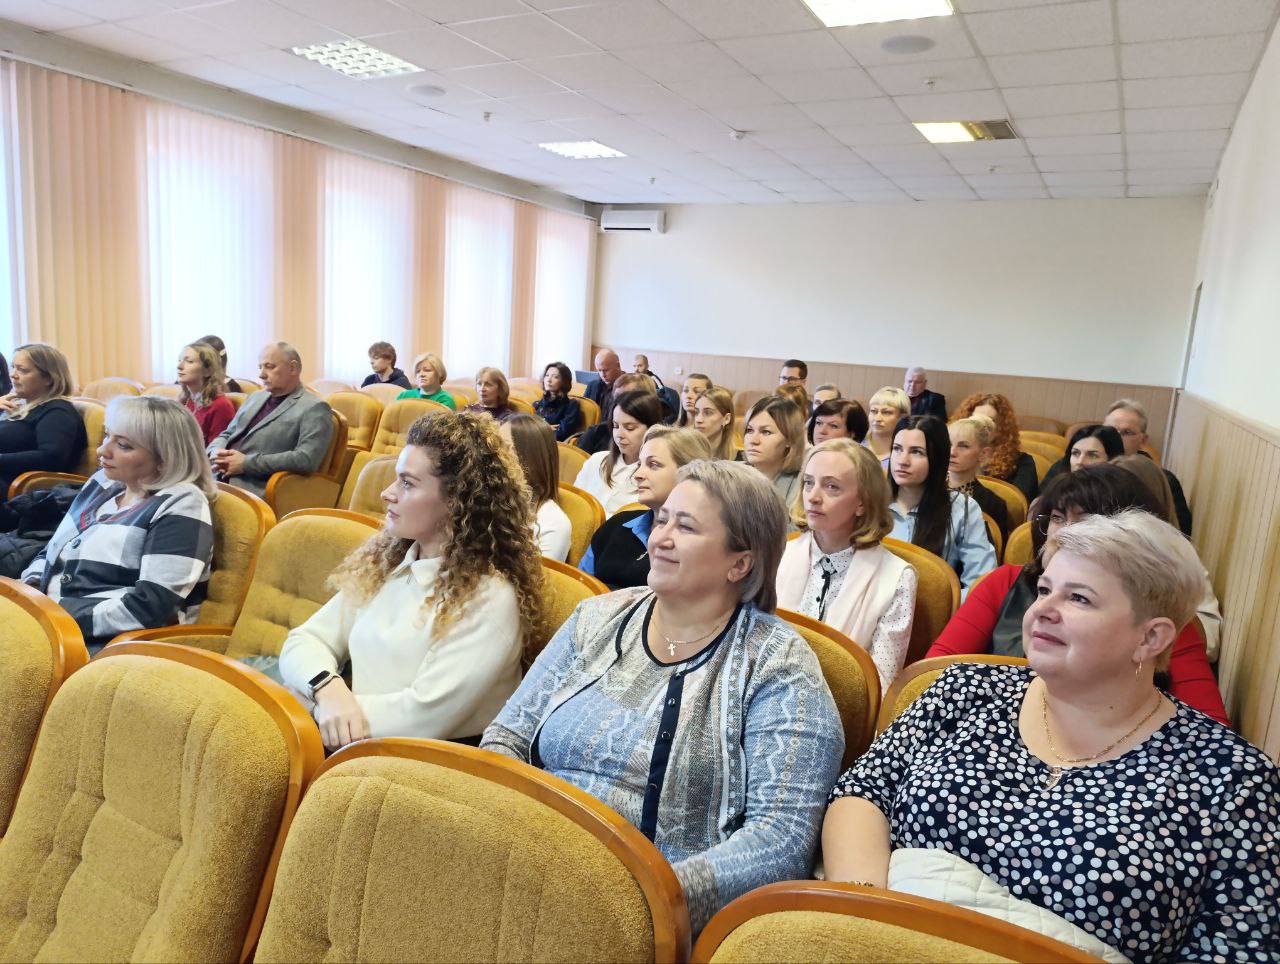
[[688, 706]]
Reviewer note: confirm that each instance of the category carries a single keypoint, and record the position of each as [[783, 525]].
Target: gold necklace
[[673, 643], [1055, 772]]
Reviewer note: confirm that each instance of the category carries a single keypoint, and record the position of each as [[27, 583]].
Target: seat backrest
[[1020, 551], [121, 841], [94, 415], [1051, 439], [1015, 502], [937, 595], [1043, 464], [397, 418], [522, 405], [362, 412], [248, 385], [993, 533], [851, 676], [1042, 423], [802, 920], [572, 459], [40, 646], [105, 389], [586, 515], [563, 587], [237, 399], [463, 392], [327, 386], [1045, 449], [384, 392], [743, 400], [590, 412], [163, 391], [919, 676], [426, 850], [375, 475], [240, 523], [291, 579]]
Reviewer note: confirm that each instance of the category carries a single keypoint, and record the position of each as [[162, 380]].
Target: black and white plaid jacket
[[139, 568]]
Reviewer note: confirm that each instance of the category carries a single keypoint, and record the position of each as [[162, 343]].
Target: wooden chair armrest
[[202, 636], [31, 481]]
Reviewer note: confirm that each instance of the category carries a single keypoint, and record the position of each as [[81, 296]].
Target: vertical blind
[[130, 226]]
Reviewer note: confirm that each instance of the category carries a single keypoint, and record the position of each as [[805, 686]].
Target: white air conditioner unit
[[623, 219]]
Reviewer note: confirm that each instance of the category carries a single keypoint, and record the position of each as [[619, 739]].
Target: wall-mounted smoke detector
[[961, 132]]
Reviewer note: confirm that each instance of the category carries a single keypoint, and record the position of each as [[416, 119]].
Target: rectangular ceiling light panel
[[352, 58], [848, 13], [950, 132], [581, 150]]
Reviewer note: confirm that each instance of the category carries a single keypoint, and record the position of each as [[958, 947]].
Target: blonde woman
[[774, 437], [495, 395], [201, 382], [837, 571], [135, 548], [886, 408], [971, 440], [40, 430], [713, 417], [436, 611], [429, 374]]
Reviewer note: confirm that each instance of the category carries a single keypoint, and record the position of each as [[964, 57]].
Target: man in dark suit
[[1129, 418], [608, 368], [923, 401]]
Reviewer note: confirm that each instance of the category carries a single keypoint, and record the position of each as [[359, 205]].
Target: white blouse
[[612, 497], [553, 531], [410, 680]]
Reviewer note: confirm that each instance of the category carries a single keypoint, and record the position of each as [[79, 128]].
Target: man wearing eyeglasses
[[1129, 418], [794, 372]]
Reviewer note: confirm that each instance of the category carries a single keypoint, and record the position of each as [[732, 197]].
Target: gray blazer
[[293, 438]]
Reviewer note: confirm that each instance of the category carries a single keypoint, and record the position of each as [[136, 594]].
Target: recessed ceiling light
[[581, 150], [847, 13], [351, 58], [949, 132]]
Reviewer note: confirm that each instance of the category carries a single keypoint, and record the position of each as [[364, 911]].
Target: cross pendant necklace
[[671, 648]]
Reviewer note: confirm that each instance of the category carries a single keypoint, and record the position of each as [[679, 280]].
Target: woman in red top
[[201, 380], [990, 618]]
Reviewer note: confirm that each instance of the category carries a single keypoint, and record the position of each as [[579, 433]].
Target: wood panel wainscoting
[[1230, 469], [1061, 398]]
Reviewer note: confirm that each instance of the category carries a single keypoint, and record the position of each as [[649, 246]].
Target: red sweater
[[970, 629], [213, 418]]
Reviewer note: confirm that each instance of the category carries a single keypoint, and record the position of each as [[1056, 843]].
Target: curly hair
[[490, 525], [1006, 445]]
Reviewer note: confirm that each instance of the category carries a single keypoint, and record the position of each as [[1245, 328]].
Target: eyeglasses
[[789, 379], [1130, 432]]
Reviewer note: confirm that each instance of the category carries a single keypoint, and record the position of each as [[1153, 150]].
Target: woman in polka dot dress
[[1075, 783]]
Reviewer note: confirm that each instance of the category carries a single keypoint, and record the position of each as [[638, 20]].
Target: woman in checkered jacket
[[134, 550]]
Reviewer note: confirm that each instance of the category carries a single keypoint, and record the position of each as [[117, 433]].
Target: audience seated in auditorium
[[837, 418], [382, 359], [618, 555], [885, 410], [429, 375], [773, 440], [837, 571], [641, 367], [714, 419], [607, 475], [693, 387], [797, 396], [1074, 782], [1008, 462], [928, 514], [561, 412], [990, 619], [824, 393], [134, 549], [40, 430], [1129, 418], [495, 395], [970, 450], [435, 611], [595, 438], [535, 447], [688, 706], [283, 428], [220, 347], [6, 385], [923, 401], [1090, 445], [608, 368], [793, 372], [200, 389]]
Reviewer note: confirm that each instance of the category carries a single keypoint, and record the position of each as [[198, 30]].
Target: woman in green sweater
[[429, 374]]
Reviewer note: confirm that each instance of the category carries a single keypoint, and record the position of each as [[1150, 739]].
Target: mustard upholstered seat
[[289, 491], [290, 582], [236, 399], [327, 386], [993, 534], [1043, 424], [851, 676], [419, 850], [240, 523], [105, 389], [40, 646], [1043, 449], [362, 412], [1043, 465], [1014, 501], [1053, 440], [572, 459], [163, 391], [937, 595], [247, 385], [812, 920], [586, 515], [384, 392], [161, 786], [1019, 551], [391, 436], [590, 413], [919, 676], [522, 405], [563, 587], [366, 495]]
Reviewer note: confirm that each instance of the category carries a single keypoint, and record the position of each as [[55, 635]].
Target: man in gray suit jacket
[[283, 428]]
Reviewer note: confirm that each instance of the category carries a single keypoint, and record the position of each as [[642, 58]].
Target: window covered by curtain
[[479, 239], [562, 289]]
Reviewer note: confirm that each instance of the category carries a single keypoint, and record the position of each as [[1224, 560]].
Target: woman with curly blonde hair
[[436, 612], [1007, 462]]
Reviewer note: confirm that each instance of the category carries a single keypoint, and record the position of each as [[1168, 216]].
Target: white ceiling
[[1113, 98]]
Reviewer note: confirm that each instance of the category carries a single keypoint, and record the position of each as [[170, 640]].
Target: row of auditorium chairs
[[392, 849]]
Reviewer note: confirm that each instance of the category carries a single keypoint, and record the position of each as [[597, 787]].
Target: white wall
[[1084, 289], [1237, 338]]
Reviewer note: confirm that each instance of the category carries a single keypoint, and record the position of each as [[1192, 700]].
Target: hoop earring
[[1138, 672]]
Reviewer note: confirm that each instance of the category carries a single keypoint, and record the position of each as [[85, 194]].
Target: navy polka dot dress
[[1170, 852]]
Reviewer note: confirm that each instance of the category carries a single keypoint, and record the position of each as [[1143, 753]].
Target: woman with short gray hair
[[135, 548], [687, 704]]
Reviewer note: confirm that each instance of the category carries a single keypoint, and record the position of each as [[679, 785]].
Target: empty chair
[[290, 582], [1015, 502], [1047, 449], [1019, 550], [586, 515], [40, 646], [563, 587], [384, 392], [423, 850], [289, 491], [105, 389], [919, 676], [160, 791], [366, 495], [362, 411], [813, 920], [937, 595], [327, 386], [572, 459], [392, 433], [1054, 440], [240, 523]]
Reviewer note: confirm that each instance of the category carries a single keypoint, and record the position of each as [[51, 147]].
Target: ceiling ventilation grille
[[992, 130]]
